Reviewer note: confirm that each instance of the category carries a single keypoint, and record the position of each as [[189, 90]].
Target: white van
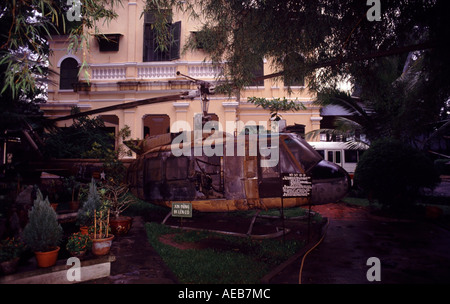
[[339, 153]]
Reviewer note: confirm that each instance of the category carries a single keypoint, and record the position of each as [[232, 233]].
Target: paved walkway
[[410, 252], [136, 260]]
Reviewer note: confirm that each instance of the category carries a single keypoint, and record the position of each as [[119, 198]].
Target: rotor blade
[[122, 106]]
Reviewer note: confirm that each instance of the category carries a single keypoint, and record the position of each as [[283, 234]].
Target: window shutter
[[175, 46], [148, 43]]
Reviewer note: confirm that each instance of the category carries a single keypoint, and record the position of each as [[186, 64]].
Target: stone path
[[136, 260]]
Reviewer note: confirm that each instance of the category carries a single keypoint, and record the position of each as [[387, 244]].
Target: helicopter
[[212, 176], [232, 181]]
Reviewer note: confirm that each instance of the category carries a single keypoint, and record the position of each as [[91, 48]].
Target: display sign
[[181, 209], [296, 185]]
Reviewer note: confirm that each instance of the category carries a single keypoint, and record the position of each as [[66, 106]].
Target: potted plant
[[119, 200], [43, 232], [85, 215], [71, 184], [102, 238], [10, 251], [78, 244]]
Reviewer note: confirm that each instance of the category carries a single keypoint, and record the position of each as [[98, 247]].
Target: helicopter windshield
[[303, 152]]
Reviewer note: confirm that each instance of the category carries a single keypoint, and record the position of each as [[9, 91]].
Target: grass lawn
[[218, 258], [224, 259]]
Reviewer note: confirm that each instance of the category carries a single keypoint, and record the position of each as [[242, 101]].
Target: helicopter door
[[251, 177], [269, 177]]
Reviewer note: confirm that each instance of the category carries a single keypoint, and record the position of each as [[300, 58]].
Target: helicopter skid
[[229, 205], [279, 231]]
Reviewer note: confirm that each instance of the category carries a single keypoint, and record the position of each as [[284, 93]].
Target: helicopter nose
[[330, 183]]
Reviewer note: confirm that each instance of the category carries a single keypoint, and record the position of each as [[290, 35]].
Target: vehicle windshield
[[303, 152]]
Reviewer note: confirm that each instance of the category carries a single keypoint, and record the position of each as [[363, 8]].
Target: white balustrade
[[204, 71], [154, 71], [157, 72], [108, 73]]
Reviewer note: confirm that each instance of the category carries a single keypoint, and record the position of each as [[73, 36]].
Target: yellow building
[[130, 70]]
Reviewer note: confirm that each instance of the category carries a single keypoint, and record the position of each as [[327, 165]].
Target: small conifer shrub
[[42, 232]]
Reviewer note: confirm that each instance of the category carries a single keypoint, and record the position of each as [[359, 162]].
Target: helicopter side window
[[176, 168], [286, 163], [304, 153]]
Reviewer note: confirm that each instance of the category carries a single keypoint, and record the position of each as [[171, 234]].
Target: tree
[[276, 105], [393, 102], [393, 172], [85, 138], [29, 24], [399, 63], [323, 41]]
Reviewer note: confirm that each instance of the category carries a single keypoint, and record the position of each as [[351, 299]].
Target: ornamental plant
[[116, 193], [78, 243], [42, 232], [85, 216], [10, 249]]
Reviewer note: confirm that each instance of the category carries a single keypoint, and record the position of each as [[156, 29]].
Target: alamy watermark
[[260, 141], [73, 273], [374, 272], [74, 11], [374, 12]]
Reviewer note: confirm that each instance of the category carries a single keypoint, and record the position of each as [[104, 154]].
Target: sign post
[[181, 209], [297, 185]]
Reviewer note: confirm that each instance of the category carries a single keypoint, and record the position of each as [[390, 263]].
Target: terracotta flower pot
[[101, 246], [84, 230], [47, 258], [74, 205], [120, 225]]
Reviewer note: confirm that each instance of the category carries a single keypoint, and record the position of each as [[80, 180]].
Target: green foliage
[[85, 138], [276, 105], [240, 261], [78, 243], [30, 23], [393, 172], [85, 215], [11, 248], [43, 232]]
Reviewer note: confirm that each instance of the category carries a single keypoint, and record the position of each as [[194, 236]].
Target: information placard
[[296, 185], [181, 209]]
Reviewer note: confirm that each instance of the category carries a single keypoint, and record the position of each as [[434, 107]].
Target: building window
[[294, 82], [258, 71], [152, 51], [108, 42], [68, 74]]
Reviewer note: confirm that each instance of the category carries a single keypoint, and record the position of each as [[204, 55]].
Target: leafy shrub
[[85, 138], [393, 172], [42, 232], [85, 215]]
